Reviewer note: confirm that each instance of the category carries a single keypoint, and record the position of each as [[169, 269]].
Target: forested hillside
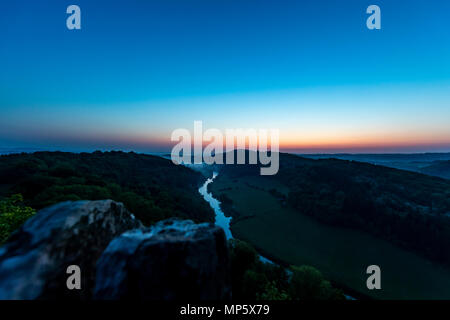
[[151, 187], [408, 209]]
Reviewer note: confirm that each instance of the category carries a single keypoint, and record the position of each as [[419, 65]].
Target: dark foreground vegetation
[[255, 280], [13, 213]]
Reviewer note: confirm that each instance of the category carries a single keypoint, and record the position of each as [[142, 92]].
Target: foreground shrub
[[254, 280], [13, 213]]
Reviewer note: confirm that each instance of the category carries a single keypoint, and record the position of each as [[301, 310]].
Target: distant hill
[[438, 169], [412, 161], [151, 187], [383, 157]]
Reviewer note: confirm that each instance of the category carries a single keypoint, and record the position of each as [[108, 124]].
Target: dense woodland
[[409, 209], [151, 187]]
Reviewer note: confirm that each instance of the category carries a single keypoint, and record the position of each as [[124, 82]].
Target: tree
[[307, 283]]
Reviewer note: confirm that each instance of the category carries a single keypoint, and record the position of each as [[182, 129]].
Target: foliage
[[254, 280], [13, 214], [308, 283], [273, 293], [409, 209], [151, 187], [406, 208]]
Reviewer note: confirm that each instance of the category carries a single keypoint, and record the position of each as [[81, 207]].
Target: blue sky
[[139, 69]]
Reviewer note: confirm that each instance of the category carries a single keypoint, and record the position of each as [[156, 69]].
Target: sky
[[137, 70]]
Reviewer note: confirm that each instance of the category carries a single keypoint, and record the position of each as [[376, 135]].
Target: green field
[[341, 254]]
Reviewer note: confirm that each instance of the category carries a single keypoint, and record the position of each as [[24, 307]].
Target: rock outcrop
[[173, 260], [33, 263], [118, 257]]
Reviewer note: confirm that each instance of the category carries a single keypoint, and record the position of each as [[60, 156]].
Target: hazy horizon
[[11, 150]]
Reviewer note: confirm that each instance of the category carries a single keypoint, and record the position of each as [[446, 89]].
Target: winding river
[[220, 219], [224, 222]]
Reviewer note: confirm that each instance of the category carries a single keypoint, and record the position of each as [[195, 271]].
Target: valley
[[264, 217]]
